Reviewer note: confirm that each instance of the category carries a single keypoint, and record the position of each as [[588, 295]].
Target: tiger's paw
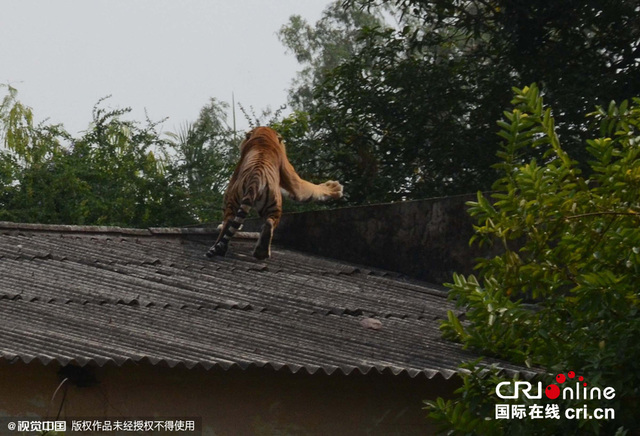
[[261, 253], [263, 247], [332, 189], [218, 249]]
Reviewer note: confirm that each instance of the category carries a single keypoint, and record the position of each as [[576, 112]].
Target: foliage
[[581, 52], [323, 47], [205, 155], [116, 173], [404, 110], [564, 295], [396, 120]]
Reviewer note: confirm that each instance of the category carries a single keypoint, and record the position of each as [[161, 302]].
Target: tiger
[[259, 181]]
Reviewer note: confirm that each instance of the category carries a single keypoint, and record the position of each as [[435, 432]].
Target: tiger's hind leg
[[229, 228], [221, 246], [263, 247], [272, 213]]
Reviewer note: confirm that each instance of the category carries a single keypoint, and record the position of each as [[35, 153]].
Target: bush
[[565, 293]]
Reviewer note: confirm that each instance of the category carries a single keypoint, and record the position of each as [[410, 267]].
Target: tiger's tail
[[230, 228]]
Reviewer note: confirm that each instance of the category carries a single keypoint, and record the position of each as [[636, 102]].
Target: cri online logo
[[553, 391]]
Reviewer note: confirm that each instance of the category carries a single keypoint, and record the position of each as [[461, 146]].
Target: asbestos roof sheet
[[95, 295]]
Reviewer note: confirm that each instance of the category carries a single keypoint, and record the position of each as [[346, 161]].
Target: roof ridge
[[133, 231]]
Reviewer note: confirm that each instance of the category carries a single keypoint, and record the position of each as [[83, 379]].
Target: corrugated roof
[[95, 295]]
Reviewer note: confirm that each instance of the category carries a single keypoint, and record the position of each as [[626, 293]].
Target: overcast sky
[[166, 56]]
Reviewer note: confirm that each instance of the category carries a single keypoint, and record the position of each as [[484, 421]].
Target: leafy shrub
[[566, 292], [117, 172]]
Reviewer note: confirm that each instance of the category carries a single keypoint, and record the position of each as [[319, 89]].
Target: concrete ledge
[[425, 239]]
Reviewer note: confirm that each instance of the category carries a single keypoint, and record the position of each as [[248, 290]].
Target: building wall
[[425, 239], [234, 402]]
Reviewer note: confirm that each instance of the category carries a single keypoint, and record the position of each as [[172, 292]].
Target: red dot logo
[[580, 378], [571, 374], [552, 392], [560, 378]]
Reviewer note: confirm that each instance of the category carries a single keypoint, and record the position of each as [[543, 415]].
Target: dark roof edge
[[150, 231], [428, 373]]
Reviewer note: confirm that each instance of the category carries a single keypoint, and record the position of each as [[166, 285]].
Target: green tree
[[407, 111], [582, 53], [395, 118], [324, 46], [26, 161], [122, 174], [205, 155], [114, 174], [564, 295]]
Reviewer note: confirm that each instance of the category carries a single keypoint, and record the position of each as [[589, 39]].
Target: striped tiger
[[260, 179]]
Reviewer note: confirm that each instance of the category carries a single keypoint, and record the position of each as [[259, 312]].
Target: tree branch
[[634, 214]]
